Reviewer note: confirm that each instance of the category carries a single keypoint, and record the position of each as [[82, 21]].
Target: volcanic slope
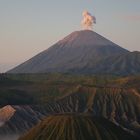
[[76, 127], [127, 64], [118, 102], [79, 52]]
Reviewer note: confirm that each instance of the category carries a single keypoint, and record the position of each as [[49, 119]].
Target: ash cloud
[[88, 20]]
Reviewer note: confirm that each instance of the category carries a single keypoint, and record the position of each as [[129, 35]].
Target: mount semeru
[[83, 52]]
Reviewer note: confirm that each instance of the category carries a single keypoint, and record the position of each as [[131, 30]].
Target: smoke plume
[[88, 20]]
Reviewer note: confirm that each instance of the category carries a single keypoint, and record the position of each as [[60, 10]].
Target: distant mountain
[[83, 52], [76, 127], [126, 64]]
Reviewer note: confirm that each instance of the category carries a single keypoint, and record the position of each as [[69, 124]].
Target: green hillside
[[42, 88]]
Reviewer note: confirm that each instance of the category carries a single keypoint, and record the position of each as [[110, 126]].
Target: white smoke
[[88, 20]]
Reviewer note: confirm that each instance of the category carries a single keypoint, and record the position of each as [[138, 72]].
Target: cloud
[[88, 20]]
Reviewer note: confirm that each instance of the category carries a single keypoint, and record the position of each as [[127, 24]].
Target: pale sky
[[28, 27]]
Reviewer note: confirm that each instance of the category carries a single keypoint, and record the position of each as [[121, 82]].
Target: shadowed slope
[[126, 64], [76, 127]]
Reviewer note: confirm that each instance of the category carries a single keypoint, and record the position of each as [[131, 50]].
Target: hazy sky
[[28, 27]]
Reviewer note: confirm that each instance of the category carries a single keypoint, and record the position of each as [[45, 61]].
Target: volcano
[[82, 52]]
